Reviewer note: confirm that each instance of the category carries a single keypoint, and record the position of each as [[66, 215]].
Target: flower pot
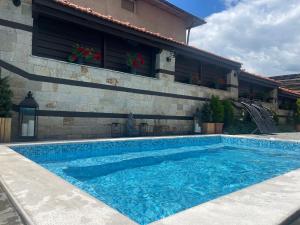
[[208, 128], [298, 127], [5, 130], [219, 128]]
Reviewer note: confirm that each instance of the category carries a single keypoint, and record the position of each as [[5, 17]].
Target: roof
[[192, 20], [289, 92], [141, 30], [286, 77], [260, 80]]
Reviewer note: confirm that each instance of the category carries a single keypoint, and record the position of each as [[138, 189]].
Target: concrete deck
[[283, 136], [8, 214], [42, 198]]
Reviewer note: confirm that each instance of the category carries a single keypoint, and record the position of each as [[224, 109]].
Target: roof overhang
[[190, 20], [88, 18], [286, 77], [258, 80], [286, 93]]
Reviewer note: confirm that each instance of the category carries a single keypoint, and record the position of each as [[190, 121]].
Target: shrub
[[297, 112], [206, 113], [217, 109], [5, 97], [228, 113]]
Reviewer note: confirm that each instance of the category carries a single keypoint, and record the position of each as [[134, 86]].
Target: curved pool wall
[[149, 179]]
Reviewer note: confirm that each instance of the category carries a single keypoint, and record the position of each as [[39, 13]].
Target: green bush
[[206, 113], [217, 109], [228, 113], [297, 112], [5, 97]]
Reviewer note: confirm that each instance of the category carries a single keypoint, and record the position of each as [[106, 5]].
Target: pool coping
[[42, 198]]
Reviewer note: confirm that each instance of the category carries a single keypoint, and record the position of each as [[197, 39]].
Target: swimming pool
[[150, 179]]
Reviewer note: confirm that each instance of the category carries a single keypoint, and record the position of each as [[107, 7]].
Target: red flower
[[97, 56], [142, 61], [86, 52], [139, 56], [135, 63], [73, 58], [80, 49]]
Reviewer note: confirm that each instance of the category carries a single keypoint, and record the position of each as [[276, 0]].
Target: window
[[129, 5]]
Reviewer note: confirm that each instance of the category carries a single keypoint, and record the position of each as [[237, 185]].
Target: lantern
[[28, 117]]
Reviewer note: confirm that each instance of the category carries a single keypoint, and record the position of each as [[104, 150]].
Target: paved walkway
[[8, 215], [285, 136]]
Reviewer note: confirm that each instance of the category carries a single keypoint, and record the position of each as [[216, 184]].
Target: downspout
[[189, 32], [188, 36]]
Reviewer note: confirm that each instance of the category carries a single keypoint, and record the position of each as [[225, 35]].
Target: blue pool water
[[151, 179]]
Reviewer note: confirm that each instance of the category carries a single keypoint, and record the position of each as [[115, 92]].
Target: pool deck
[[8, 214], [42, 198], [283, 136]]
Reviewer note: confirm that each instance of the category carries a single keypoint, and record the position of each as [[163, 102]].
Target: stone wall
[[15, 49]]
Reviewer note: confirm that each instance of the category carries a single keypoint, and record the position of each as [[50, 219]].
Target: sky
[[264, 35]]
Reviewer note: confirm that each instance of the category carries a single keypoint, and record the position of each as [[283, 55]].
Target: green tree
[[297, 112], [217, 109], [5, 97], [206, 113], [228, 113]]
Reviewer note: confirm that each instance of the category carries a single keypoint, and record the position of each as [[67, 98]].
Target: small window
[[129, 5]]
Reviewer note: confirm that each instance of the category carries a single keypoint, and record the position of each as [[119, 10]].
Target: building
[[140, 64], [291, 81]]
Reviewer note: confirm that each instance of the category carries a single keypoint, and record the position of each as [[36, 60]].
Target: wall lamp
[[17, 2]]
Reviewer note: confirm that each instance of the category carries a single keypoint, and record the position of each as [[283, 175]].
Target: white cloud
[[264, 35]]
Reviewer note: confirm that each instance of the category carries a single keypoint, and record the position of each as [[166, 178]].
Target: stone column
[[274, 96], [233, 84], [165, 65]]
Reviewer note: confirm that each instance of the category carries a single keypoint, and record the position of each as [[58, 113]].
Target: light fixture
[[17, 2], [28, 118]]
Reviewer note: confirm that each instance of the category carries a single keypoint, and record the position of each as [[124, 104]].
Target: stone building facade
[[80, 101], [100, 97]]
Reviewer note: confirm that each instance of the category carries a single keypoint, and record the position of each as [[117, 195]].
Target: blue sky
[[201, 8], [263, 35]]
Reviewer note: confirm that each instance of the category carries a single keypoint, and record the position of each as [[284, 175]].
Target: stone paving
[[8, 215], [286, 136]]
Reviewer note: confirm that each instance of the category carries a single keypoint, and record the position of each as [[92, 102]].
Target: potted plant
[[297, 115], [5, 108], [228, 113], [217, 109], [134, 61], [82, 54], [206, 118]]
